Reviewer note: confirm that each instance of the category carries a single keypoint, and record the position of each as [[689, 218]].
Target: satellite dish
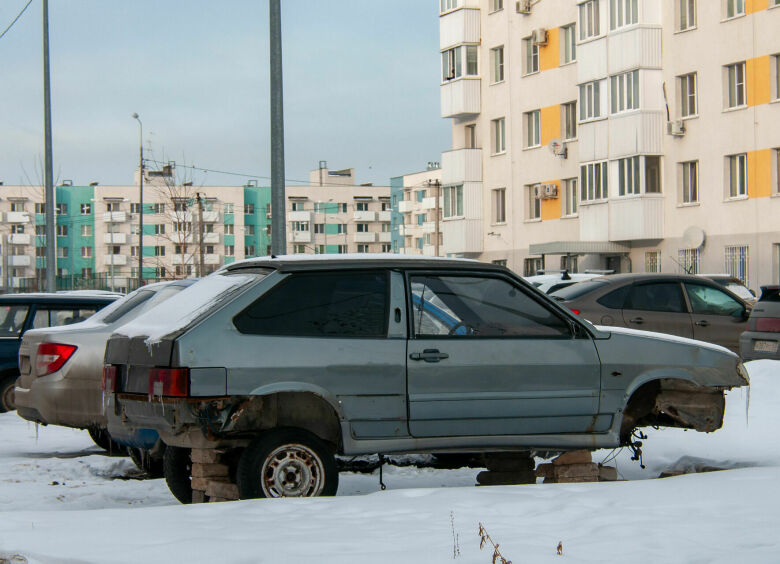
[[693, 237], [557, 147]]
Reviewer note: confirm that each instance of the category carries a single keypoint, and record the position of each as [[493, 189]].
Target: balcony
[[385, 237], [364, 216], [299, 216], [181, 216], [183, 259], [461, 165], [429, 227], [115, 238], [210, 217], [640, 132], [19, 260], [211, 259], [429, 250], [115, 217], [19, 239], [211, 238], [384, 215], [406, 206], [636, 218], [300, 236], [429, 203], [116, 260], [460, 97], [458, 27], [461, 236], [365, 237], [17, 217]]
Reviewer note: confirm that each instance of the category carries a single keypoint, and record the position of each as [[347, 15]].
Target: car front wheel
[[287, 463]]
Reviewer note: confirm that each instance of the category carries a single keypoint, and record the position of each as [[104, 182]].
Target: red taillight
[[51, 357], [575, 311], [169, 382], [110, 373], [768, 324]]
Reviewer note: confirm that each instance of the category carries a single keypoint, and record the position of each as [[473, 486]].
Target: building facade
[[632, 135], [416, 201]]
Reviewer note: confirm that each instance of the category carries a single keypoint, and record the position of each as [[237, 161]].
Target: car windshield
[[579, 289], [740, 290], [12, 319]]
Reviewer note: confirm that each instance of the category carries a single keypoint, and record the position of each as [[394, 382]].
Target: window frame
[[737, 7], [737, 187], [568, 34], [530, 56], [624, 92], [498, 200], [688, 97], [589, 19], [532, 122], [690, 15], [588, 181], [533, 204], [569, 120], [590, 101], [497, 64], [689, 194], [619, 16], [498, 131], [570, 198], [735, 89]]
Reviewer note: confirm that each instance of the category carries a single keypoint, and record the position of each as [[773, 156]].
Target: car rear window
[[770, 294], [579, 289]]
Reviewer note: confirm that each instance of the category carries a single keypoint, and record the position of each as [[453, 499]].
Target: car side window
[[12, 319], [55, 317], [658, 296], [326, 304], [706, 300], [615, 299], [478, 307]]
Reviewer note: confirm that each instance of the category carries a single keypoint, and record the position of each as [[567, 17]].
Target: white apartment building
[[418, 200], [634, 135]]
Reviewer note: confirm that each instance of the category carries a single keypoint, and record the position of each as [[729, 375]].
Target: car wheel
[[287, 463], [102, 439], [177, 469], [7, 395], [153, 467]]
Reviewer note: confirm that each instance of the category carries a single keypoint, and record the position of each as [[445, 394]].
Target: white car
[[552, 280]]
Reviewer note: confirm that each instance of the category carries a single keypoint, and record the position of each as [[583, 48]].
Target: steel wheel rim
[[8, 398], [292, 470]]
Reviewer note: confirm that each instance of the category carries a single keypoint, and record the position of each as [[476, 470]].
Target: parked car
[[762, 337], [282, 363], [734, 285], [678, 304], [61, 367], [20, 312], [549, 281]]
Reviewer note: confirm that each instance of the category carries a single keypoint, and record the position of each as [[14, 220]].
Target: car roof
[[44, 298], [289, 263], [636, 276]]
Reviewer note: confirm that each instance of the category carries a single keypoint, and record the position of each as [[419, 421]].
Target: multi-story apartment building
[[633, 135], [334, 215], [416, 199]]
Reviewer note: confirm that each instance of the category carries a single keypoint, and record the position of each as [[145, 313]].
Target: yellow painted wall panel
[[759, 173], [551, 123], [756, 5], [758, 83], [551, 209], [549, 55]]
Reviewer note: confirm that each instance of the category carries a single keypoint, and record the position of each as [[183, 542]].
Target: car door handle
[[637, 320], [702, 323], [429, 355]]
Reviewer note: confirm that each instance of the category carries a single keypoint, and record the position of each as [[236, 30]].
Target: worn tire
[[177, 470], [7, 394], [287, 462], [153, 467], [102, 439]]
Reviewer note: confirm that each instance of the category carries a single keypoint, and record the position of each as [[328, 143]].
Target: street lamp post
[[141, 200]]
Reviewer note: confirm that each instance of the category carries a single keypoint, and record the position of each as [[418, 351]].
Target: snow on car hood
[[663, 337], [178, 311]]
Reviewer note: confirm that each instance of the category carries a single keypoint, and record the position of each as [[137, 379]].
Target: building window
[[17, 206], [735, 8], [62, 252], [624, 89], [319, 228], [249, 229], [499, 135], [452, 62], [471, 136], [628, 176], [531, 51], [299, 249], [533, 128], [569, 44], [361, 206], [653, 261], [86, 273], [738, 262], [341, 228], [593, 182], [227, 208], [341, 249], [296, 226], [686, 14], [570, 197], [61, 209], [249, 209], [386, 248], [135, 208], [363, 227], [86, 231], [62, 231], [159, 251], [735, 84], [362, 248], [689, 261], [249, 251], [496, 5], [159, 272], [40, 252], [499, 262], [534, 204], [590, 100], [737, 175], [41, 229], [86, 209], [688, 105], [499, 205], [40, 208], [690, 182], [622, 13], [775, 71], [776, 160], [569, 120], [86, 252], [497, 64], [230, 250], [532, 266], [652, 174], [447, 5], [17, 228], [180, 206], [589, 19], [453, 201], [297, 206]]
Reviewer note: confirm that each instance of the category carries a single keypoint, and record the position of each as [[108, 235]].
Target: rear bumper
[[56, 400], [747, 344]]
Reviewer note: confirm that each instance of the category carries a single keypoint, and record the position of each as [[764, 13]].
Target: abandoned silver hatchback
[[262, 372]]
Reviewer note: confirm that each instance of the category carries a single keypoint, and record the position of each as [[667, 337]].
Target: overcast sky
[[361, 87]]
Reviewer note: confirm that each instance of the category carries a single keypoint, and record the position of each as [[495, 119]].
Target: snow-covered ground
[[63, 500]]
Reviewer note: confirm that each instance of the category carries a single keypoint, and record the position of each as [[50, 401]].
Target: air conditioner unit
[[676, 127], [550, 190], [538, 192], [523, 6], [539, 36]]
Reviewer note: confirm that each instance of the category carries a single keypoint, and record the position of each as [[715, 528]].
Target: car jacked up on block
[[281, 363]]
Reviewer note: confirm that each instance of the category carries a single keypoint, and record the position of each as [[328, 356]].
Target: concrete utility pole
[[141, 201], [51, 240], [437, 190], [278, 218], [200, 234]]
